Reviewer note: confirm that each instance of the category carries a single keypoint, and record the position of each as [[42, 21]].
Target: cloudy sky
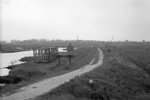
[[67, 19]]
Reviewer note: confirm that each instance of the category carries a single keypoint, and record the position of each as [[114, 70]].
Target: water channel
[[7, 59]]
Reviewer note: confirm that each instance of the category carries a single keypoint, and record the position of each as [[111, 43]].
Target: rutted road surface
[[39, 88]]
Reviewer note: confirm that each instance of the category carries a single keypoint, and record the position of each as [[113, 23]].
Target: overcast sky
[[65, 19]]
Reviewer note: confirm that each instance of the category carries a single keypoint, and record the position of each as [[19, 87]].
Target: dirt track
[[46, 85]]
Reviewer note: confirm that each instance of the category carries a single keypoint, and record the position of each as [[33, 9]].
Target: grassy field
[[32, 72], [137, 54], [124, 75]]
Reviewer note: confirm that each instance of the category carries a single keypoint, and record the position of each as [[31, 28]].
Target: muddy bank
[[27, 59], [10, 79]]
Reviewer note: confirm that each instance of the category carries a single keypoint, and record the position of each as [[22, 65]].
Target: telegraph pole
[[77, 42]]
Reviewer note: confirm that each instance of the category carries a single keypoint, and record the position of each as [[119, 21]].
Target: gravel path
[[46, 85]]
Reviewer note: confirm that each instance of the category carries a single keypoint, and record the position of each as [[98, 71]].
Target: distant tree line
[[17, 45]]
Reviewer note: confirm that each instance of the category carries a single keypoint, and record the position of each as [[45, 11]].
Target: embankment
[[119, 78]]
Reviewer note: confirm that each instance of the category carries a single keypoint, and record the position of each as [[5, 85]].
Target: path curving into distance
[[39, 88]]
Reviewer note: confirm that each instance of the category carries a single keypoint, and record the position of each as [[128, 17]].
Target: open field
[[137, 54], [32, 72], [124, 75]]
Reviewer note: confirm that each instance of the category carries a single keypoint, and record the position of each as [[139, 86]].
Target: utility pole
[[148, 59], [112, 39], [77, 42]]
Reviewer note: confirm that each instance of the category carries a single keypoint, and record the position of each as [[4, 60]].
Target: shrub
[[141, 97], [109, 50], [147, 68], [82, 91]]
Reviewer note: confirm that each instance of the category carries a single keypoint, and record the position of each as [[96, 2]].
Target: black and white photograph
[[74, 49]]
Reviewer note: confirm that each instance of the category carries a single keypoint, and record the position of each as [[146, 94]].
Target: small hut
[[70, 49], [69, 54]]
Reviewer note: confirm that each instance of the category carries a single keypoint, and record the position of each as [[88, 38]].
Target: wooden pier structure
[[45, 55]]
